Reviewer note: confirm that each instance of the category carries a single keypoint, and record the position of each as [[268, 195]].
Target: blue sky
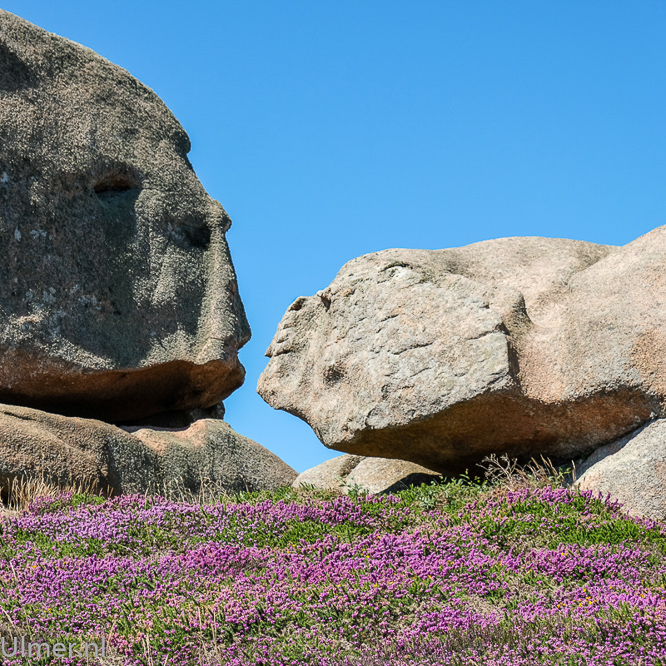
[[333, 128]]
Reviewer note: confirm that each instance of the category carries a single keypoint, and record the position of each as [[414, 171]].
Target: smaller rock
[[386, 475], [632, 470], [374, 475], [328, 475], [210, 453]]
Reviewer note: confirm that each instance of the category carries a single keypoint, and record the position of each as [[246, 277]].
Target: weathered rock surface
[[118, 298], [376, 475], [329, 474], [68, 450], [384, 475], [211, 452], [631, 470], [523, 346]]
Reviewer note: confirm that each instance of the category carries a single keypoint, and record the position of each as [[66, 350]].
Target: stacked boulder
[[121, 322], [118, 299]]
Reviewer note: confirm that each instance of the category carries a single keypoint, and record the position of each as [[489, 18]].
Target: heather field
[[457, 573]]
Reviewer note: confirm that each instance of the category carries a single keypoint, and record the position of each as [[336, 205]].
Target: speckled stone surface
[[518, 346], [70, 450], [631, 470], [118, 298]]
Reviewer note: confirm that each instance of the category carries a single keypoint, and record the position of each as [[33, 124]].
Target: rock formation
[[118, 298], [328, 475], [374, 475], [632, 470], [523, 346], [66, 451]]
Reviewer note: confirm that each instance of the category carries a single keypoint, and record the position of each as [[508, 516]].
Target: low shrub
[[503, 573]]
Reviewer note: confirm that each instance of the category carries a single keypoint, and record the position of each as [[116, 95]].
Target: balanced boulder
[[518, 346], [118, 298]]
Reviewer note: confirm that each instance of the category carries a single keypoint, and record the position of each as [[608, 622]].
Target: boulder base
[[70, 450], [632, 470]]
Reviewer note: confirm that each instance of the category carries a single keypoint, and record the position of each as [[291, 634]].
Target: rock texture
[[383, 475], [211, 452], [68, 450], [523, 346], [118, 298], [329, 474], [632, 470], [376, 475]]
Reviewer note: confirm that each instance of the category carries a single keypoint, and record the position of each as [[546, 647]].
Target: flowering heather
[[448, 574]]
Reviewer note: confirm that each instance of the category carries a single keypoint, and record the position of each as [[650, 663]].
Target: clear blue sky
[[333, 128]]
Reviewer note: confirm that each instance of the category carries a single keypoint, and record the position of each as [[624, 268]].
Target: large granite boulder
[[118, 298], [632, 470], [523, 346], [372, 475], [208, 455]]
